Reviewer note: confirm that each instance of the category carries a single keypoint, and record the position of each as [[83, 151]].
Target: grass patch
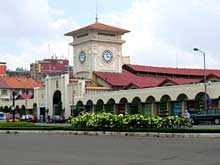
[[32, 126], [16, 124]]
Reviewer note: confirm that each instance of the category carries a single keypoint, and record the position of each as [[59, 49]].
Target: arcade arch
[[179, 105], [110, 106], [89, 106], [149, 106], [164, 105], [57, 103], [78, 108], [122, 106], [99, 107], [200, 101], [135, 106]]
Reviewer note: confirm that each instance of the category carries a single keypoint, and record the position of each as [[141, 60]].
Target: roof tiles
[[19, 83], [129, 76], [167, 70], [99, 26]]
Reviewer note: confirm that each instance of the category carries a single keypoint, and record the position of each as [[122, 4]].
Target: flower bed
[[110, 121]]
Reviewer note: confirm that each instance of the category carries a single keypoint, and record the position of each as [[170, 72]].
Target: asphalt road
[[202, 125], [27, 149]]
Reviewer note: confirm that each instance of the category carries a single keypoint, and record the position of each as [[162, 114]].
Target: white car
[[27, 118], [3, 117]]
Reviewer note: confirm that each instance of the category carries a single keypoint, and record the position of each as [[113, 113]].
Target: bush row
[[110, 121], [16, 124], [32, 126]]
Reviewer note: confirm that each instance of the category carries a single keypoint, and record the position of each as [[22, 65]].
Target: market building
[[105, 81]]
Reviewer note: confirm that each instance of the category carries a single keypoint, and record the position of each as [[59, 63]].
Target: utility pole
[[13, 104]]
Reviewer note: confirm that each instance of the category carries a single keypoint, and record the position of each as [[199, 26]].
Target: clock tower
[[97, 47]]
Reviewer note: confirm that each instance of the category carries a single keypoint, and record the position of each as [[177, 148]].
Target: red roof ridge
[[167, 80], [100, 26], [170, 70], [164, 67]]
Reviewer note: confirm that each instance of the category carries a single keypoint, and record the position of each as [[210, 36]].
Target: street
[[26, 149], [202, 125]]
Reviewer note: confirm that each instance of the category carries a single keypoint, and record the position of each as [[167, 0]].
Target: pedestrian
[[187, 114], [180, 115], [48, 118]]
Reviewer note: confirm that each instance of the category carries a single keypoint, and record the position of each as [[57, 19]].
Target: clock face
[[107, 56], [82, 57]]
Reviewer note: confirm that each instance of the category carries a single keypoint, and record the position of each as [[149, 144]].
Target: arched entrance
[[57, 103], [35, 110], [110, 106], [89, 106], [122, 106], [149, 105], [6, 109], [200, 101], [135, 106], [99, 107], [179, 105], [79, 108], [164, 105], [22, 110]]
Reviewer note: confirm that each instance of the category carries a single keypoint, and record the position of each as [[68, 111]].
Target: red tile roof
[[3, 84], [99, 26], [175, 71], [20, 83], [127, 78], [131, 76]]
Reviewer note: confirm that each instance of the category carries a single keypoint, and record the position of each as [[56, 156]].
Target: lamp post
[[205, 95], [13, 104], [72, 104]]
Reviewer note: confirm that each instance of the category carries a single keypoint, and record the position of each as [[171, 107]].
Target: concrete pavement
[[40, 149], [106, 133]]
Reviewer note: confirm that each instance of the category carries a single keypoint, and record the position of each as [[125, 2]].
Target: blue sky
[[163, 32]]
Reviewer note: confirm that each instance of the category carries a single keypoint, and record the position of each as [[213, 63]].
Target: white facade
[[89, 47], [93, 43]]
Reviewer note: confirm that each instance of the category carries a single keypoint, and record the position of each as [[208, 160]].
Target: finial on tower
[[96, 17]]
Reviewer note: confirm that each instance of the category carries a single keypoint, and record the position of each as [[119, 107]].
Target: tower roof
[[98, 26]]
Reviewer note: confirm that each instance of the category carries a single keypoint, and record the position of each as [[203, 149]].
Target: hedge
[[109, 121], [153, 124]]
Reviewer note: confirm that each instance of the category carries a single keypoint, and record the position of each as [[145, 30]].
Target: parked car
[[210, 115], [10, 117], [57, 119], [27, 117], [3, 117]]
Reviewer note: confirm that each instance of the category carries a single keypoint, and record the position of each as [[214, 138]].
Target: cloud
[[164, 33], [32, 52], [27, 28]]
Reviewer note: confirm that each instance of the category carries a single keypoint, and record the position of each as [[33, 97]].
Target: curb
[[103, 133]]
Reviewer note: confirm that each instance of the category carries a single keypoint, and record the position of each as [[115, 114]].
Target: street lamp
[[205, 95], [13, 104]]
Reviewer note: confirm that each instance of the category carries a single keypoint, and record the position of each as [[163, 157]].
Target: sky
[[163, 32]]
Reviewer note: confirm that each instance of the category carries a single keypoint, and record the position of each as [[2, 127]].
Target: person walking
[[187, 114]]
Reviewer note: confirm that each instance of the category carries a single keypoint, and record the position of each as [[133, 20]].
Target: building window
[[57, 84], [82, 35], [4, 92], [106, 34]]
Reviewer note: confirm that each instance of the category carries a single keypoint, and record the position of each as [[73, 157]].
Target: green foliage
[[16, 124], [110, 121]]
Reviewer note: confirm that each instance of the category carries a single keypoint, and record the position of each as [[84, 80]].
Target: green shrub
[[111, 121], [16, 124]]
